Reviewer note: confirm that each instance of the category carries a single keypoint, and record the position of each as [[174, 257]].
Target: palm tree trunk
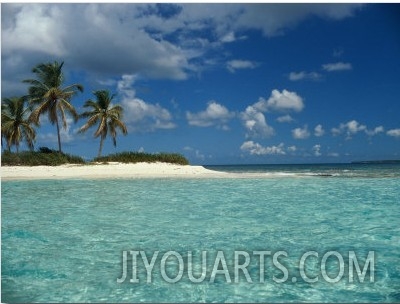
[[58, 135], [101, 146]]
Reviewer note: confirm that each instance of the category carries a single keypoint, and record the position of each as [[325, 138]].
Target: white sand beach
[[110, 170]]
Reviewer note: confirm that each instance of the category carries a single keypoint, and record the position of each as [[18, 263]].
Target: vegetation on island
[[137, 157], [42, 157], [48, 95], [48, 157]]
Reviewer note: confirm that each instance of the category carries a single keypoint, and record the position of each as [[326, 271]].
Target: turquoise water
[[63, 240]]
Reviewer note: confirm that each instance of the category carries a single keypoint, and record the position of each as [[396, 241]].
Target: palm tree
[[47, 93], [15, 125], [108, 116]]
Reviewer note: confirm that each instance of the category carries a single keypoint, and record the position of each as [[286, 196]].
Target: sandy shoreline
[[110, 170]]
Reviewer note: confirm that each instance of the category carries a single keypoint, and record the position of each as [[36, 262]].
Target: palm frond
[[14, 122], [65, 104], [91, 122], [74, 87], [47, 94], [107, 116]]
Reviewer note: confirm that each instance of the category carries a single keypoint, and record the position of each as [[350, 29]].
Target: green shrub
[[47, 157], [137, 157], [43, 157]]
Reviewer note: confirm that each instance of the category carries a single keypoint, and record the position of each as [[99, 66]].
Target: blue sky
[[221, 83]]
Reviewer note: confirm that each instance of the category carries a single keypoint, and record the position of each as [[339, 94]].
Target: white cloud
[[375, 131], [254, 120], [350, 128], [59, 35], [296, 76], [333, 154], [255, 123], [394, 133], [353, 127], [231, 37], [316, 150], [141, 115], [338, 66], [275, 19], [285, 101], [301, 133], [257, 149], [285, 118], [319, 131], [214, 114], [234, 65], [164, 40], [25, 33], [292, 148]]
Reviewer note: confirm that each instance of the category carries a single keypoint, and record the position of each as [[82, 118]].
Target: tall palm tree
[[48, 95], [108, 116], [15, 125]]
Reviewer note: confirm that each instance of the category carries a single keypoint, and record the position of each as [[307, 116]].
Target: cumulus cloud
[[284, 101], [319, 131], [275, 19], [375, 131], [59, 35], [214, 115], [253, 117], [285, 118], [139, 114], [353, 127], [256, 149], [168, 41], [316, 150], [338, 66], [350, 128], [231, 37], [394, 133], [255, 123], [234, 65], [296, 76], [301, 133]]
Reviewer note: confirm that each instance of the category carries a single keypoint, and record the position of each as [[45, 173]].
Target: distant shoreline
[[386, 161]]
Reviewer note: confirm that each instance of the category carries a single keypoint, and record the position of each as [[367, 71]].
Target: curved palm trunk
[[101, 146]]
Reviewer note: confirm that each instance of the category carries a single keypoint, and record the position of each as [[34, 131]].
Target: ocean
[[304, 233]]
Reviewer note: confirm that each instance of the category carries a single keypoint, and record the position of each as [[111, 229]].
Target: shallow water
[[63, 240]]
